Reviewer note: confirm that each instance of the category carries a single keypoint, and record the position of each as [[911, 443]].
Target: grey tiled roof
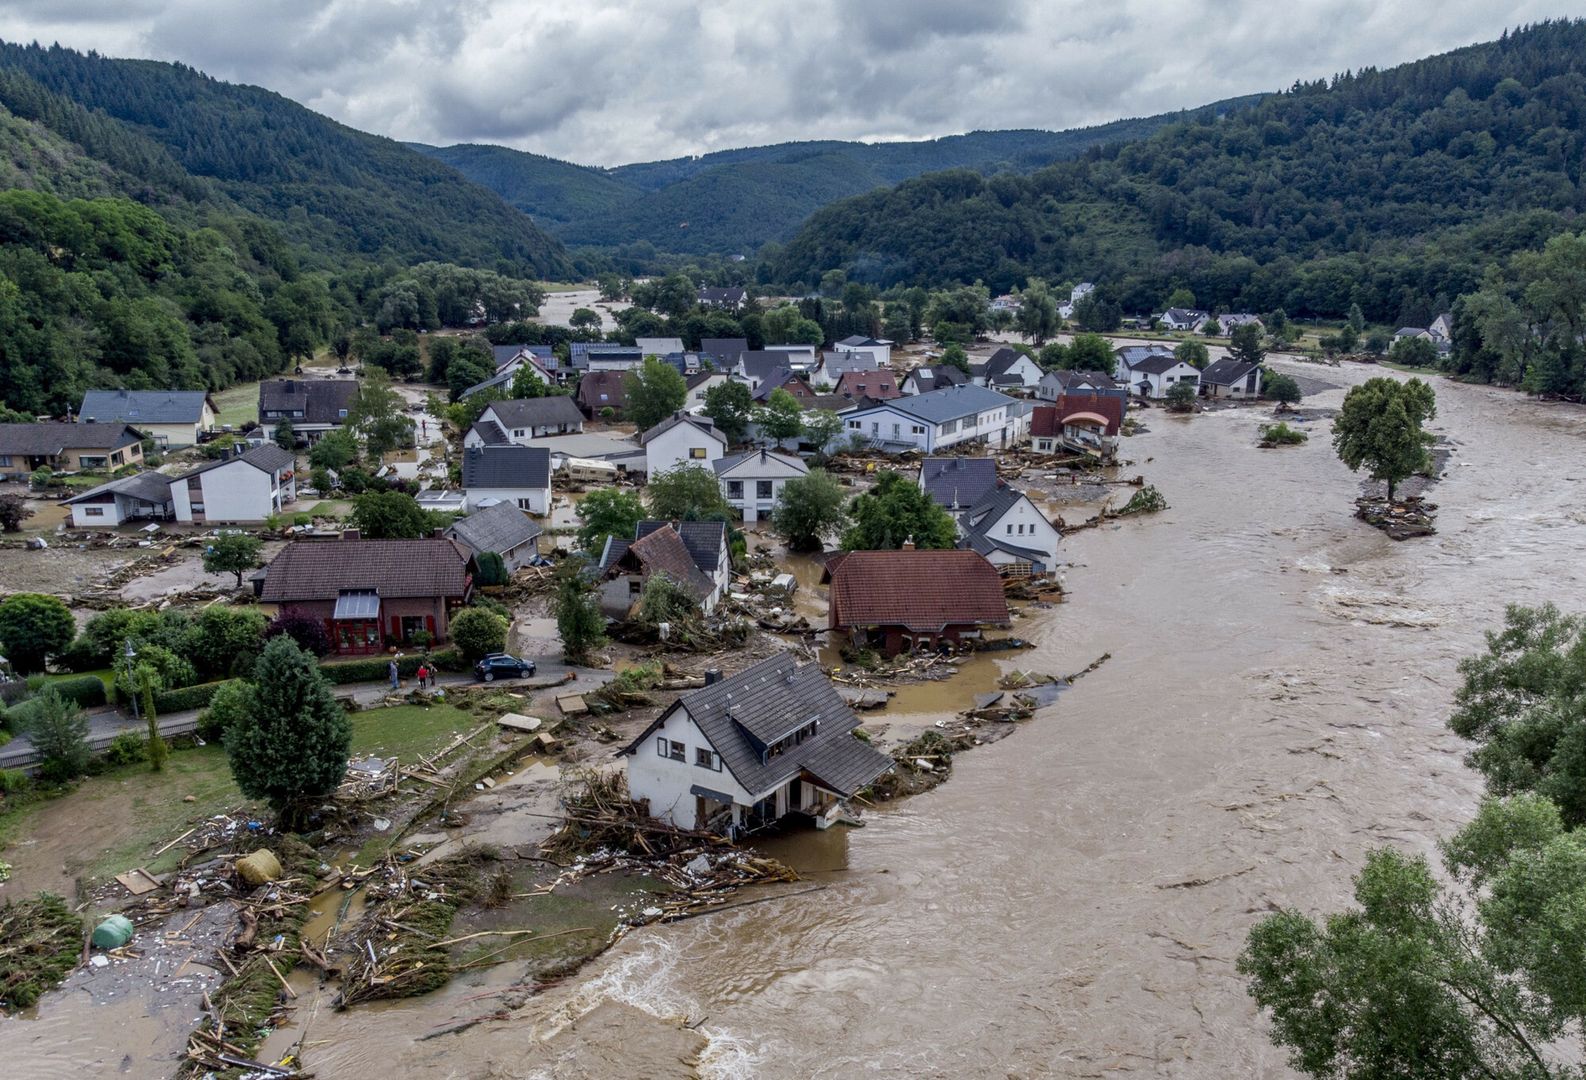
[[46, 438], [1156, 365], [703, 423], [266, 457], [537, 412], [497, 528], [949, 403], [507, 467], [958, 481], [1227, 371], [148, 486], [725, 350], [491, 433], [320, 400], [321, 569], [727, 464], [144, 406], [1133, 355]]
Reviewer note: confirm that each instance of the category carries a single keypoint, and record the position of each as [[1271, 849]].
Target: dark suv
[[502, 666]]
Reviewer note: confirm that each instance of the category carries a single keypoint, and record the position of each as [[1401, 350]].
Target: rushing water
[[1072, 901]]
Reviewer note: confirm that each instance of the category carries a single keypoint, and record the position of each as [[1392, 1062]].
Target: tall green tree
[[730, 407], [232, 553], [810, 509], [1379, 429], [579, 622], [654, 391], [688, 491], [380, 416], [1245, 344], [33, 628], [1038, 318], [607, 512], [955, 356], [821, 428], [59, 733], [1413, 352], [896, 510], [390, 515], [291, 749], [1193, 353], [781, 418]]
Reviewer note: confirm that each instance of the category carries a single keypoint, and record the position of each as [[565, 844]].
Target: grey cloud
[[607, 81]]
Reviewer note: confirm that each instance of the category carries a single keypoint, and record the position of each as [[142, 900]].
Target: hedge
[[184, 698], [86, 691], [374, 668], [20, 717]]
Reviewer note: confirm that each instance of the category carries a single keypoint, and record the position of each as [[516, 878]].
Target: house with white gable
[[1442, 328], [1009, 371], [835, 364], [1230, 378], [1011, 532], [245, 487], [752, 482], [935, 420], [878, 349], [694, 555], [1189, 319], [774, 740], [520, 475], [682, 439], [1149, 370], [144, 496], [799, 358], [928, 377], [699, 384], [525, 419]]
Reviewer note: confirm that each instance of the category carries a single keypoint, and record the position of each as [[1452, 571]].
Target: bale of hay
[[260, 867]]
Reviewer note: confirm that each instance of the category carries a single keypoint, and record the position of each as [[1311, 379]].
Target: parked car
[[503, 666]]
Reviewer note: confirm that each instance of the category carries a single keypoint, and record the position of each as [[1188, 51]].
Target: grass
[[408, 730], [563, 286], [238, 405], [329, 508]]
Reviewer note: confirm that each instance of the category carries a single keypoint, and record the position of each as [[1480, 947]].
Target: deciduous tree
[[1245, 344], [607, 512], [390, 515], [688, 491], [33, 628], [232, 553], [781, 418], [478, 632], [1379, 429], [654, 391], [730, 407], [810, 509], [894, 511]]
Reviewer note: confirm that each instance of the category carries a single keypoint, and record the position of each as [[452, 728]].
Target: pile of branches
[[600, 819], [40, 942], [1148, 500], [397, 949]]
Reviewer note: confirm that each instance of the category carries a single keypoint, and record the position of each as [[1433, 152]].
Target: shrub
[[127, 748], [85, 691], [302, 519], [492, 569], [20, 717], [492, 605], [373, 669], [227, 705], [1180, 397], [14, 781], [307, 631], [60, 735], [1280, 434], [478, 632], [226, 640], [189, 697], [34, 626]]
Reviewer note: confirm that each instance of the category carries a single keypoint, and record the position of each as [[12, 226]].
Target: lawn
[[104, 675], [115, 821], [563, 286], [239, 405]]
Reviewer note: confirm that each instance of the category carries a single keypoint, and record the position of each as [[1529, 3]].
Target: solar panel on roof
[[357, 604]]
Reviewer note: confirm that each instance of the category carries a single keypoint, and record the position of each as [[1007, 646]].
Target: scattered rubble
[[1401, 520]]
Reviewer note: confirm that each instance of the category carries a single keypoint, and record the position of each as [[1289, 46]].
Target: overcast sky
[[603, 82]]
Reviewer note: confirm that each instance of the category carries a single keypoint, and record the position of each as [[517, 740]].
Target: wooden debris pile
[[1410, 517], [368, 779], [900, 668], [40, 943]]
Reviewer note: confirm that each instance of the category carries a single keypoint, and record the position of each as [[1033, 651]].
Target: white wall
[[536, 501], [1029, 529], [666, 783], [881, 354], [753, 505], [672, 448]]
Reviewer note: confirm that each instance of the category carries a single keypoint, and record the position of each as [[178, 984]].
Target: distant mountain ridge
[[171, 137], [735, 201]]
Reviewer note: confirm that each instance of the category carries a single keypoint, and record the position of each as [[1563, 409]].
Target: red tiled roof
[[319, 569], [1109, 406], [918, 590], [876, 385], [1043, 422], [664, 550]]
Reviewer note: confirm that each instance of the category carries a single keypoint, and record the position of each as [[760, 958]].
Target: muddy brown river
[[1071, 902]]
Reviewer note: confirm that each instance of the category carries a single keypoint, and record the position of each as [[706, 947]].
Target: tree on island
[[1379, 429], [1282, 389]]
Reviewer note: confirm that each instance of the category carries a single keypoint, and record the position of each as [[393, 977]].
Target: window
[[1010, 530], [855, 425], [341, 414], [679, 751], [917, 429], [5, 461], [93, 511], [763, 489], [635, 586], [707, 759], [735, 489], [526, 504], [697, 453], [91, 462], [518, 433]]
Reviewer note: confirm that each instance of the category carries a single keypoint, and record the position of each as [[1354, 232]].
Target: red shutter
[[429, 624], [396, 627]]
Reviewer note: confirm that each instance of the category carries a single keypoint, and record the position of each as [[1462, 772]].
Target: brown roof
[[918, 590], [602, 390], [319, 569], [664, 550], [1108, 406], [876, 385]]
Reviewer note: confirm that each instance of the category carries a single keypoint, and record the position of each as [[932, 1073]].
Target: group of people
[[425, 675]]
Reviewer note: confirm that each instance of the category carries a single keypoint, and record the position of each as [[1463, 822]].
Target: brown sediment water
[[1072, 901]]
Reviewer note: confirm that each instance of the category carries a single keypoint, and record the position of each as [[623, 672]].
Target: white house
[[143, 497], [500, 528], [699, 385], [520, 475], [312, 406], [795, 357], [247, 487], [1230, 378], [658, 346], [1183, 319], [879, 349], [682, 439], [1230, 321], [836, 363], [1442, 328], [1011, 532], [172, 418], [1149, 370], [1009, 371], [752, 482], [526, 419], [693, 554], [935, 420], [773, 740], [1080, 291], [928, 377]]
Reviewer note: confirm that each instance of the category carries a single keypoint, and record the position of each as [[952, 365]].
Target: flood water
[[1072, 901]]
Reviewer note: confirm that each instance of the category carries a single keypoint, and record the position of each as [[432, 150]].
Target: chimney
[[908, 545], [351, 534], [712, 676], [291, 386]]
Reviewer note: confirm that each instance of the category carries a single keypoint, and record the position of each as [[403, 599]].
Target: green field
[[239, 405]]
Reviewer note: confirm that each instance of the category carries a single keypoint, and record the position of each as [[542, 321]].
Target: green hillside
[[735, 201], [1392, 189], [171, 137]]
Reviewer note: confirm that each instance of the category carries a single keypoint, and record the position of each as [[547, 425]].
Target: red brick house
[[371, 593], [899, 601]]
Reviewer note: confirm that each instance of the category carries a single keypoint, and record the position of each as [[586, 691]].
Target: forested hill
[[173, 138], [1384, 188], [734, 201]]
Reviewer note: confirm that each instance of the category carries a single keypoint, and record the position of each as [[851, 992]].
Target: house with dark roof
[[682, 439], [172, 418], [659, 346], [500, 528], [1010, 531], [1190, 319], [526, 419], [1007, 370], [512, 358], [519, 475], [900, 601], [1149, 370], [957, 483], [487, 433], [928, 377], [784, 379], [757, 365], [1055, 384], [694, 554], [774, 740], [936, 420], [722, 299], [1229, 321], [1087, 423], [67, 447], [599, 391], [752, 482], [311, 406], [145, 496], [246, 487], [723, 353], [878, 349], [877, 385], [1231, 378], [834, 364], [368, 593], [603, 356]]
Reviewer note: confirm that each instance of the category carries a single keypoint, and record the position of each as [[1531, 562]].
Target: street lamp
[[130, 653]]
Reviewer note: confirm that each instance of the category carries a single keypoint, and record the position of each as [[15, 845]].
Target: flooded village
[[545, 850]]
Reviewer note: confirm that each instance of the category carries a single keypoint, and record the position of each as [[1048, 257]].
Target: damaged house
[[693, 554], [900, 601], [741, 753]]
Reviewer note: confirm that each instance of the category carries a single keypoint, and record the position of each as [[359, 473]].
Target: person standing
[[391, 670], [424, 674]]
